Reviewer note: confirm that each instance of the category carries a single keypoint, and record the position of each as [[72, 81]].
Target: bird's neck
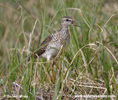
[[64, 28]]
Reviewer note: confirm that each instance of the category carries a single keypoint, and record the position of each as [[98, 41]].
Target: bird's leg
[[58, 55], [55, 59], [52, 73], [46, 71], [47, 64]]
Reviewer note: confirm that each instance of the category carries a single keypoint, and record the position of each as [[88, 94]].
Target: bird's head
[[67, 21]]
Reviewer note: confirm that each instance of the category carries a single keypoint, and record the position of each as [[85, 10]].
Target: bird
[[50, 47]]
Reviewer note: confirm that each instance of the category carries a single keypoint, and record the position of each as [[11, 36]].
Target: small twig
[[15, 96]]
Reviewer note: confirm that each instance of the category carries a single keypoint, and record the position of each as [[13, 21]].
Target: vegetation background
[[88, 66]]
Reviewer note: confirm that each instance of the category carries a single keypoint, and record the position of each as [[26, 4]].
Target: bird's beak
[[74, 23]]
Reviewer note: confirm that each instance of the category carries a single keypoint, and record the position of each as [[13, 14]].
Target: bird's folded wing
[[43, 46], [46, 41]]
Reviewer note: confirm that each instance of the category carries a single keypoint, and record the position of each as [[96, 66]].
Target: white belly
[[51, 51]]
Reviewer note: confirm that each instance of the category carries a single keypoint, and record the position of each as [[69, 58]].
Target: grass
[[88, 66]]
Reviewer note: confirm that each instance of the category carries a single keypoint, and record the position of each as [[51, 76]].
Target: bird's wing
[[46, 41], [43, 46]]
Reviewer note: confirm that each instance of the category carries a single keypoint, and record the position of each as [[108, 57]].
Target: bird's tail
[[33, 55], [29, 58], [37, 53]]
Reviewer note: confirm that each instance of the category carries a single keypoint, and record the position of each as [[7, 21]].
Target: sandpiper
[[53, 43]]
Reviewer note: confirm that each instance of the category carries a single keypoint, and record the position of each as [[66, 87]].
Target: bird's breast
[[61, 38]]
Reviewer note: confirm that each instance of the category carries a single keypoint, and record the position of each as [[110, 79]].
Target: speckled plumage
[[53, 43], [59, 38]]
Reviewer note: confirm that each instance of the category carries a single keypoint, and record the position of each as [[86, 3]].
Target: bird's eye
[[67, 20]]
